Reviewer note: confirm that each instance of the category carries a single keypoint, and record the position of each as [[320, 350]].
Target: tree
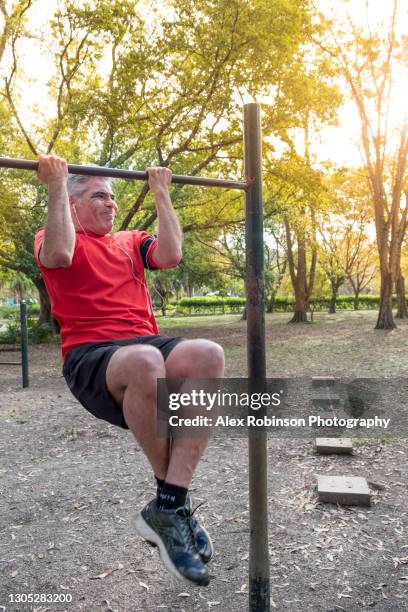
[[371, 61], [186, 69], [13, 19], [301, 196], [364, 271], [344, 233], [301, 193], [330, 261], [402, 310], [229, 251], [276, 263]]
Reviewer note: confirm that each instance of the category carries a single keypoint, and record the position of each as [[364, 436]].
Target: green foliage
[[37, 334], [211, 304], [346, 302], [133, 89], [12, 334], [40, 334], [13, 312], [214, 304]]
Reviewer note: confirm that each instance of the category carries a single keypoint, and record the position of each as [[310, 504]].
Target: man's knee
[[197, 358], [212, 356], [144, 361], [135, 365]]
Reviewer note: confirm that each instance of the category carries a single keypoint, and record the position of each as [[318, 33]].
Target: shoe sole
[[154, 539]]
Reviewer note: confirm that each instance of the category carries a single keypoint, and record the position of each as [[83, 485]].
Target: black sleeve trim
[[144, 249]]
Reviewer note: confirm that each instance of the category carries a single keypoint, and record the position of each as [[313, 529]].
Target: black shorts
[[85, 373]]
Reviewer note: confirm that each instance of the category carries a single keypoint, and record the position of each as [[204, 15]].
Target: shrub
[[42, 333], [283, 303], [211, 304], [12, 333]]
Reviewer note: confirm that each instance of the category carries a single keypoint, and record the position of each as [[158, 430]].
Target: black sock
[[171, 497], [160, 484]]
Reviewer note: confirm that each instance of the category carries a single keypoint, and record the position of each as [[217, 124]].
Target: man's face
[[95, 209]]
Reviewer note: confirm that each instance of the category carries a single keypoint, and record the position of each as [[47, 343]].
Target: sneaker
[[170, 530], [203, 542]]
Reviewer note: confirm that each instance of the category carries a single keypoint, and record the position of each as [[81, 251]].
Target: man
[[113, 353]]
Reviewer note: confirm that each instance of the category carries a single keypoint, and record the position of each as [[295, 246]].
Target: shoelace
[[197, 507], [187, 531], [192, 519]]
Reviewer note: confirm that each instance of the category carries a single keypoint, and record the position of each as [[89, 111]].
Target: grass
[[343, 344], [196, 321]]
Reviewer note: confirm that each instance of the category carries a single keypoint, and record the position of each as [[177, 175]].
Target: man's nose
[[111, 203]]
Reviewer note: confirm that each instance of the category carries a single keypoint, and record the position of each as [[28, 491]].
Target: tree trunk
[[332, 304], [299, 316], [402, 311], [270, 303], [356, 301], [385, 319], [45, 305], [300, 311], [302, 286], [188, 288]]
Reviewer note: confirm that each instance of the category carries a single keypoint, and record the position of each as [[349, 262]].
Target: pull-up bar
[[138, 175], [259, 585]]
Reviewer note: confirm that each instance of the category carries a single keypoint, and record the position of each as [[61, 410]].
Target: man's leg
[[131, 378], [191, 359]]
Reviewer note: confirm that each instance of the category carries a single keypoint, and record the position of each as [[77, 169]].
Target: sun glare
[[399, 100]]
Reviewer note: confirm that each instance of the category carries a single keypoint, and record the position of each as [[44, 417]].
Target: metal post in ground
[[24, 343], [259, 586]]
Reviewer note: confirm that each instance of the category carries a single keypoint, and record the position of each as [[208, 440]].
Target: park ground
[[71, 487]]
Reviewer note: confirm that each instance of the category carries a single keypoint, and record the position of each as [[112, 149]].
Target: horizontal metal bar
[[10, 350], [15, 363], [178, 179]]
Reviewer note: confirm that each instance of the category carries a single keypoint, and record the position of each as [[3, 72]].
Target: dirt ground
[[71, 487]]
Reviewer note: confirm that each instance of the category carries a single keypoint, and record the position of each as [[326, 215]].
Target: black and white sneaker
[[171, 531], [203, 542]]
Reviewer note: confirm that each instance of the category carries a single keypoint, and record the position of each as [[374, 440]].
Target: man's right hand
[[52, 170]]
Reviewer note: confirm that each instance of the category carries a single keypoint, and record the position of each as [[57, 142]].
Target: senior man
[[112, 350]]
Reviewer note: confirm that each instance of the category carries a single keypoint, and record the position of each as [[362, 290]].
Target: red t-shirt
[[97, 297]]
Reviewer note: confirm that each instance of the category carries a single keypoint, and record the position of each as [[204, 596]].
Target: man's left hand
[[159, 179]]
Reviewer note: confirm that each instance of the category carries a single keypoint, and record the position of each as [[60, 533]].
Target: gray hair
[[76, 183]]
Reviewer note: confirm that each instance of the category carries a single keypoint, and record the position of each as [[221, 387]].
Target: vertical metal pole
[[24, 342], [259, 587]]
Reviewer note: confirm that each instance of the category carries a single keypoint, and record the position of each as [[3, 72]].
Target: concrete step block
[[344, 490], [329, 446], [325, 399], [323, 381]]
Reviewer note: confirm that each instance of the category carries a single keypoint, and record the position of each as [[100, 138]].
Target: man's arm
[[58, 245], [168, 252]]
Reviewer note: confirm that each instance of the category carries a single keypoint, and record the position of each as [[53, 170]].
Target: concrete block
[[329, 446], [323, 381], [325, 399], [344, 490]]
